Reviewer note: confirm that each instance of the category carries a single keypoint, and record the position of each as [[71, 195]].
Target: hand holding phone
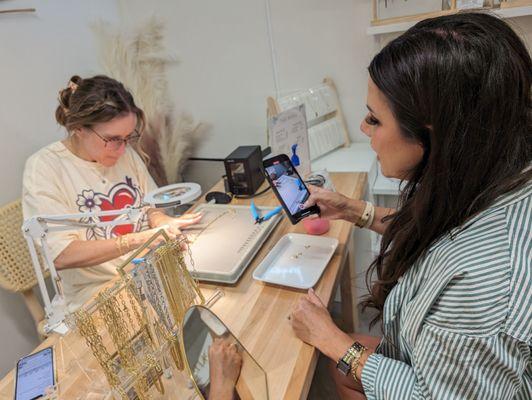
[[288, 187], [333, 205]]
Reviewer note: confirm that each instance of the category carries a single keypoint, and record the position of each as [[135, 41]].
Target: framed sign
[[288, 135]]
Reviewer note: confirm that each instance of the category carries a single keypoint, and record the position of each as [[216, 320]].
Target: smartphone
[[35, 374], [289, 188]]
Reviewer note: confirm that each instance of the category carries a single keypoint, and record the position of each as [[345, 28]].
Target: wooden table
[[257, 313]]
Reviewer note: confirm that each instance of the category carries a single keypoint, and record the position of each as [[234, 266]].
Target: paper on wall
[[289, 135]]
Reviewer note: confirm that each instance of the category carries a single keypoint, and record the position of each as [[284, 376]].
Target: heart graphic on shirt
[[120, 196]]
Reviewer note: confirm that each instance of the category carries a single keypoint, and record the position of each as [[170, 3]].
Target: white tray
[[296, 260], [225, 241]]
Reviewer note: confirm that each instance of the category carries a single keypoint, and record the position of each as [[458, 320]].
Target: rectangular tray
[[297, 260], [225, 241]]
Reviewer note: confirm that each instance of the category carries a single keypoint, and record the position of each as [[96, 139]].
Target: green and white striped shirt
[[458, 323]]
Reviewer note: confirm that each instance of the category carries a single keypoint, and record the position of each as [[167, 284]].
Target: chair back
[[16, 268]]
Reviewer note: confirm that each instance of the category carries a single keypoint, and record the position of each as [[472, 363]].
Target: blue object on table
[[256, 213], [295, 157]]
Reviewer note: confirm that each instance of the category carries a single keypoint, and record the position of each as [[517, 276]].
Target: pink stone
[[316, 226]]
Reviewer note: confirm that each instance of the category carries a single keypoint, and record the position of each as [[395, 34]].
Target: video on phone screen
[[292, 190]]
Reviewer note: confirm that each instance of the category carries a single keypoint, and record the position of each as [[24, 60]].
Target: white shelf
[[358, 157], [509, 12], [386, 186]]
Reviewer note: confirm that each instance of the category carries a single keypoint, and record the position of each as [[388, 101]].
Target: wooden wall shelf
[[401, 24]]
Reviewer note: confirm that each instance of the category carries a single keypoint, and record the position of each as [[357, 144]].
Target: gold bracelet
[[118, 244], [355, 362], [124, 245], [125, 242]]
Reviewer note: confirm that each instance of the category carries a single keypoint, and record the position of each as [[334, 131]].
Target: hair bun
[[64, 99], [76, 79]]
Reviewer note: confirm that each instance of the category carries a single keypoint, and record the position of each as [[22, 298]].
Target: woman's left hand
[[311, 320], [313, 324], [186, 220], [175, 225]]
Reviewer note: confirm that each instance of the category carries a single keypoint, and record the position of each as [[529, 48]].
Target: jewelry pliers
[[256, 214]]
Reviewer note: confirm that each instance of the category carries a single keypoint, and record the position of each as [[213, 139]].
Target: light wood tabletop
[[257, 313]]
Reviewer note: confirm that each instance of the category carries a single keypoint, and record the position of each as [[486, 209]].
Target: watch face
[[358, 347], [343, 367]]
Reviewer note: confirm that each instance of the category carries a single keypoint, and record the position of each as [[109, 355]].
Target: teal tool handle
[[254, 211], [273, 212]]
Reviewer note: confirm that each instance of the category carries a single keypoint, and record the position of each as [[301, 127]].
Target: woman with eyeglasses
[[97, 167]]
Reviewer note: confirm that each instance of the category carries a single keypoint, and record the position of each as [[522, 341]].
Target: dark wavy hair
[[85, 102], [460, 86]]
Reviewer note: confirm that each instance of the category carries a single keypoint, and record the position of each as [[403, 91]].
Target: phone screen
[[35, 373], [289, 185]]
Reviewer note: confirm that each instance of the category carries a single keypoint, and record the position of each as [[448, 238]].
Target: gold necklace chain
[[126, 323], [230, 211]]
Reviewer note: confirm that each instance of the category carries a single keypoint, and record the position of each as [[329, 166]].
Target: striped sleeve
[[448, 365]]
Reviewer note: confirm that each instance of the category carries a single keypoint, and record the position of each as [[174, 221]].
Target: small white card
[[289, 135]]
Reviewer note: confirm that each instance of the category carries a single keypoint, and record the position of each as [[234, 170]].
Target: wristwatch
[[352, 354]]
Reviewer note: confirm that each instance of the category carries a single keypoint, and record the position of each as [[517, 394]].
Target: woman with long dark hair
[[450, 114]]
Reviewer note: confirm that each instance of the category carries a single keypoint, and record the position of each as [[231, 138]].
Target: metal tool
[[256, 213]]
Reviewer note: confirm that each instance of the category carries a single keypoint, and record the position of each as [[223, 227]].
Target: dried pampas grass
[[138, 60]]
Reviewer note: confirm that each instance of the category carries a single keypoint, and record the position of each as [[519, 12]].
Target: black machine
[[289, 188], [244, 170]]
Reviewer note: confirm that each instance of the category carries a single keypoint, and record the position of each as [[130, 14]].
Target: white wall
[[225, 71]]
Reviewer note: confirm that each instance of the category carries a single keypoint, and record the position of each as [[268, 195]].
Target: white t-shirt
[[58, 182]]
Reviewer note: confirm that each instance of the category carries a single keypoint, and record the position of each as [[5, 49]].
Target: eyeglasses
[[116, 143]]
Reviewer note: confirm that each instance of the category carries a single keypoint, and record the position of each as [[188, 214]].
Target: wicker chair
[[16, 269]]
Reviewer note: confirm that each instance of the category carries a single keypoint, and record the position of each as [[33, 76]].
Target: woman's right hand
[[225, 363], [332, 205], [137, 239]]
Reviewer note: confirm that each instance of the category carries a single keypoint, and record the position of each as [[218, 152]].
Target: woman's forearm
[[357, 208], [157, 218], [217, 392], [88, 253]]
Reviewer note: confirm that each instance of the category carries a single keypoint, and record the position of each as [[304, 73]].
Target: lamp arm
[[38, 272], [131, 214], [37, 229]]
